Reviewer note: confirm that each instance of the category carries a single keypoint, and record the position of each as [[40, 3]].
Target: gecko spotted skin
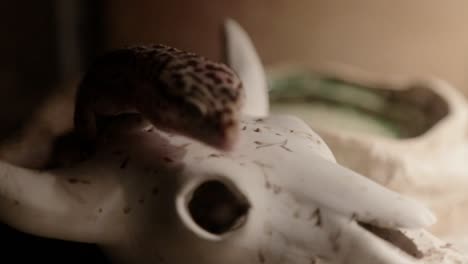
[[176, 91]]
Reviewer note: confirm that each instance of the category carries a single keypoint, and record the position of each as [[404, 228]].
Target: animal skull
[[428, 166], [278, 197]]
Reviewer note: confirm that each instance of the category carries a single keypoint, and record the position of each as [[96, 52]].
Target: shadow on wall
[[44, 44]]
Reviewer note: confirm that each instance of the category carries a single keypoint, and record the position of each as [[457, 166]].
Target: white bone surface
[[131, 200], [430, 167]]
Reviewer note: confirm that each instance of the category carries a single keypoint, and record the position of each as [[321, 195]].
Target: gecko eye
[[216, 208]]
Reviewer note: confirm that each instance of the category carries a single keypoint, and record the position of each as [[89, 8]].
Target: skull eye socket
[[217, 208]]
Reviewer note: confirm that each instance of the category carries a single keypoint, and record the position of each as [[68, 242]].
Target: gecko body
[[176, 91]]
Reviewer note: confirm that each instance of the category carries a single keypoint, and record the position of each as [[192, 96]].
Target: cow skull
[[278, 197]]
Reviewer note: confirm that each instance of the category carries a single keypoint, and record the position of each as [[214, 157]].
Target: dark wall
[[43, 43], [28, 58]]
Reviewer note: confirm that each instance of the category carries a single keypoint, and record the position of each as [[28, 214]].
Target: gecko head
[[218, 128], [202, 100]]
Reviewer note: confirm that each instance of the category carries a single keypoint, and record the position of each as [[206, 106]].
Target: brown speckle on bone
[[80, 181], [155, 191], [176, 91], [167, 159], [283, 145], [317, 217], [124, 163], [261, 257]]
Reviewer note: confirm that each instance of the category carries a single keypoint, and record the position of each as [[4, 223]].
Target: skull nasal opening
[[217, 208]]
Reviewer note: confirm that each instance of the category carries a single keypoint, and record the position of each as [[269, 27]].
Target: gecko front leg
[[176, 91]]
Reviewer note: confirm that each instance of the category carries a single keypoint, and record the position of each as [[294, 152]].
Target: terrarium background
[[46, 45]]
